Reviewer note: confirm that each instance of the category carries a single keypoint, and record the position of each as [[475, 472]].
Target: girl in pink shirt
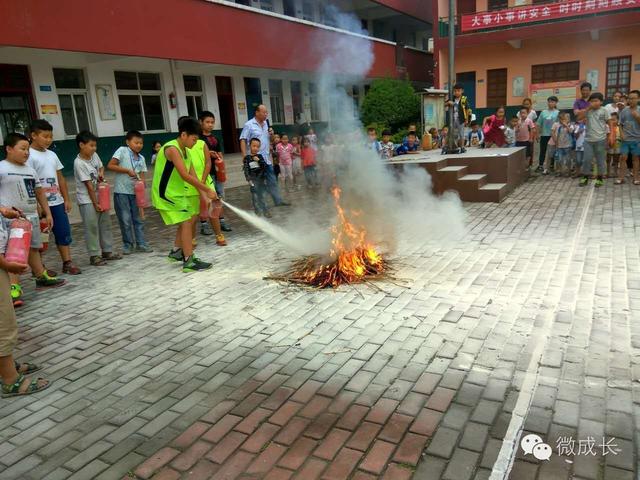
[[285, 156], [525, 132]]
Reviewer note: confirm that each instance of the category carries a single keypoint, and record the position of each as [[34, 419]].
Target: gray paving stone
[[462, 465]]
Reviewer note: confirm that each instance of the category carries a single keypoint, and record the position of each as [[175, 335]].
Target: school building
[[115, 65], [507, 50]]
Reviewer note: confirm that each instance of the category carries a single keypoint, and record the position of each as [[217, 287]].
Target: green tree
[[391, 102]]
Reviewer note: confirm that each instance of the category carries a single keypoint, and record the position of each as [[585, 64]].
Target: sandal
[[27, 368], [97, 261], [111, 256], [618, 181], [13, 390]]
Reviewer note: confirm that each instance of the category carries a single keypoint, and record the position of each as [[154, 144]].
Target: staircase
[[478, 175]]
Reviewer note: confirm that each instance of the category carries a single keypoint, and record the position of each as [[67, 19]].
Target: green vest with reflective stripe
[[168, 189], [196, 153]]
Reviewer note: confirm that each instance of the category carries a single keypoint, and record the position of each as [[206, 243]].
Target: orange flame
[[354, 258]]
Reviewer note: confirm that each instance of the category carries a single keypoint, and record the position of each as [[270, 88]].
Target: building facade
[[507, 50], [114, 66]]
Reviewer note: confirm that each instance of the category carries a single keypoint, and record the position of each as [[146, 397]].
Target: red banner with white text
[[540, 13]]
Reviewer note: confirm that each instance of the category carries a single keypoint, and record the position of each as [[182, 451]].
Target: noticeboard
[[567, 92]]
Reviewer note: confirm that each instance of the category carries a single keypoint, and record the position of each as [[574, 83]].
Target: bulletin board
[[567, 92]]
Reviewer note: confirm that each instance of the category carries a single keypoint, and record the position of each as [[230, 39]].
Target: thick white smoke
[[396, 208]]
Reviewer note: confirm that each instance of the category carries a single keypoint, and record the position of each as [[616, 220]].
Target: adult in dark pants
[[258, 128]]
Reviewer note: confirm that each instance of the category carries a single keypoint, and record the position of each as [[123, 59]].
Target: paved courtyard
[[531, 321]]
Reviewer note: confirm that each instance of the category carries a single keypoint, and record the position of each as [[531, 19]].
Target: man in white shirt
[[258, 128]]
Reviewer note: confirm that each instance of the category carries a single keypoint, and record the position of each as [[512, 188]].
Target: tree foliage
[[392, 103]]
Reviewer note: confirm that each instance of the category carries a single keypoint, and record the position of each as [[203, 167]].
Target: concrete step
[[476, 179], [458, 171], [493, 192]]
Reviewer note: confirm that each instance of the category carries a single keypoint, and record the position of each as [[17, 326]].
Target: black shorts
[[529, 146]]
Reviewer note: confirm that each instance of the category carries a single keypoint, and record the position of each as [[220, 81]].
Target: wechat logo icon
[[533, 445]]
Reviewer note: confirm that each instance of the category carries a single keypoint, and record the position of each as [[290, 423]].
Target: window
[[140, 96], [307, 10], [498, 4], [355, 95], [193, 92], [266, 5], [72, 97], [289, 7], [496, 87], [314, 105], [276, 101], [555, 72], [618, 75], [328, 15], [296, 100]]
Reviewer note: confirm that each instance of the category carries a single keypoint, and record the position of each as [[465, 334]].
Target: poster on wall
[[106, 104], [49, 109], [567, 92], [518, 86]]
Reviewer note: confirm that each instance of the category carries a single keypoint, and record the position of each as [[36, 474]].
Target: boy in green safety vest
[[173, 172], [201, 161]]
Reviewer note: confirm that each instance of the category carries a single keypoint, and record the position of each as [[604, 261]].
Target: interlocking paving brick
[[332, 443], [229, 444], [342, 465], [455, 340], [377, 458]]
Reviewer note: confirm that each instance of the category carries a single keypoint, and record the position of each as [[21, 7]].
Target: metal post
[[451, 140]]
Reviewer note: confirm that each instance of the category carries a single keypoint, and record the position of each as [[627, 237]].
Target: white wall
[[99, 69]]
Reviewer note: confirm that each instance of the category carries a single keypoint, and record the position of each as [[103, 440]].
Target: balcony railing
[[534, 14]]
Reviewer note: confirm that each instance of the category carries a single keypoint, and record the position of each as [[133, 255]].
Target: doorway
[[228, 124], [253, 92], [468, 81], [296, 100], [497, 87], [17, 107]]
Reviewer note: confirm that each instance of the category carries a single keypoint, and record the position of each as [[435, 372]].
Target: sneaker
[[16, 295], [175, 255], [224, 226], [45, 281], [193, 264], [283, 204], [127, 250], [97, 261], [584, 181], [51, 273], [220, 241], [70, 269], [268, 214], [205, 228], [539, 168], [545, 172], [599, 182], [144, 249]]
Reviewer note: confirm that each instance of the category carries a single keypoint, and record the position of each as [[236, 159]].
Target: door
[[228, 124], [497, 87], [296, 100], [17, 108], [468, 81], [253, 93]]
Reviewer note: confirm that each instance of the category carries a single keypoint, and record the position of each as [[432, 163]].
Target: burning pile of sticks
[[352, 258]]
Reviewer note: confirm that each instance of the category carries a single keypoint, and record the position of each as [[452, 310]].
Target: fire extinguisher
[[172, 100], [19, 241], [44, 235]]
